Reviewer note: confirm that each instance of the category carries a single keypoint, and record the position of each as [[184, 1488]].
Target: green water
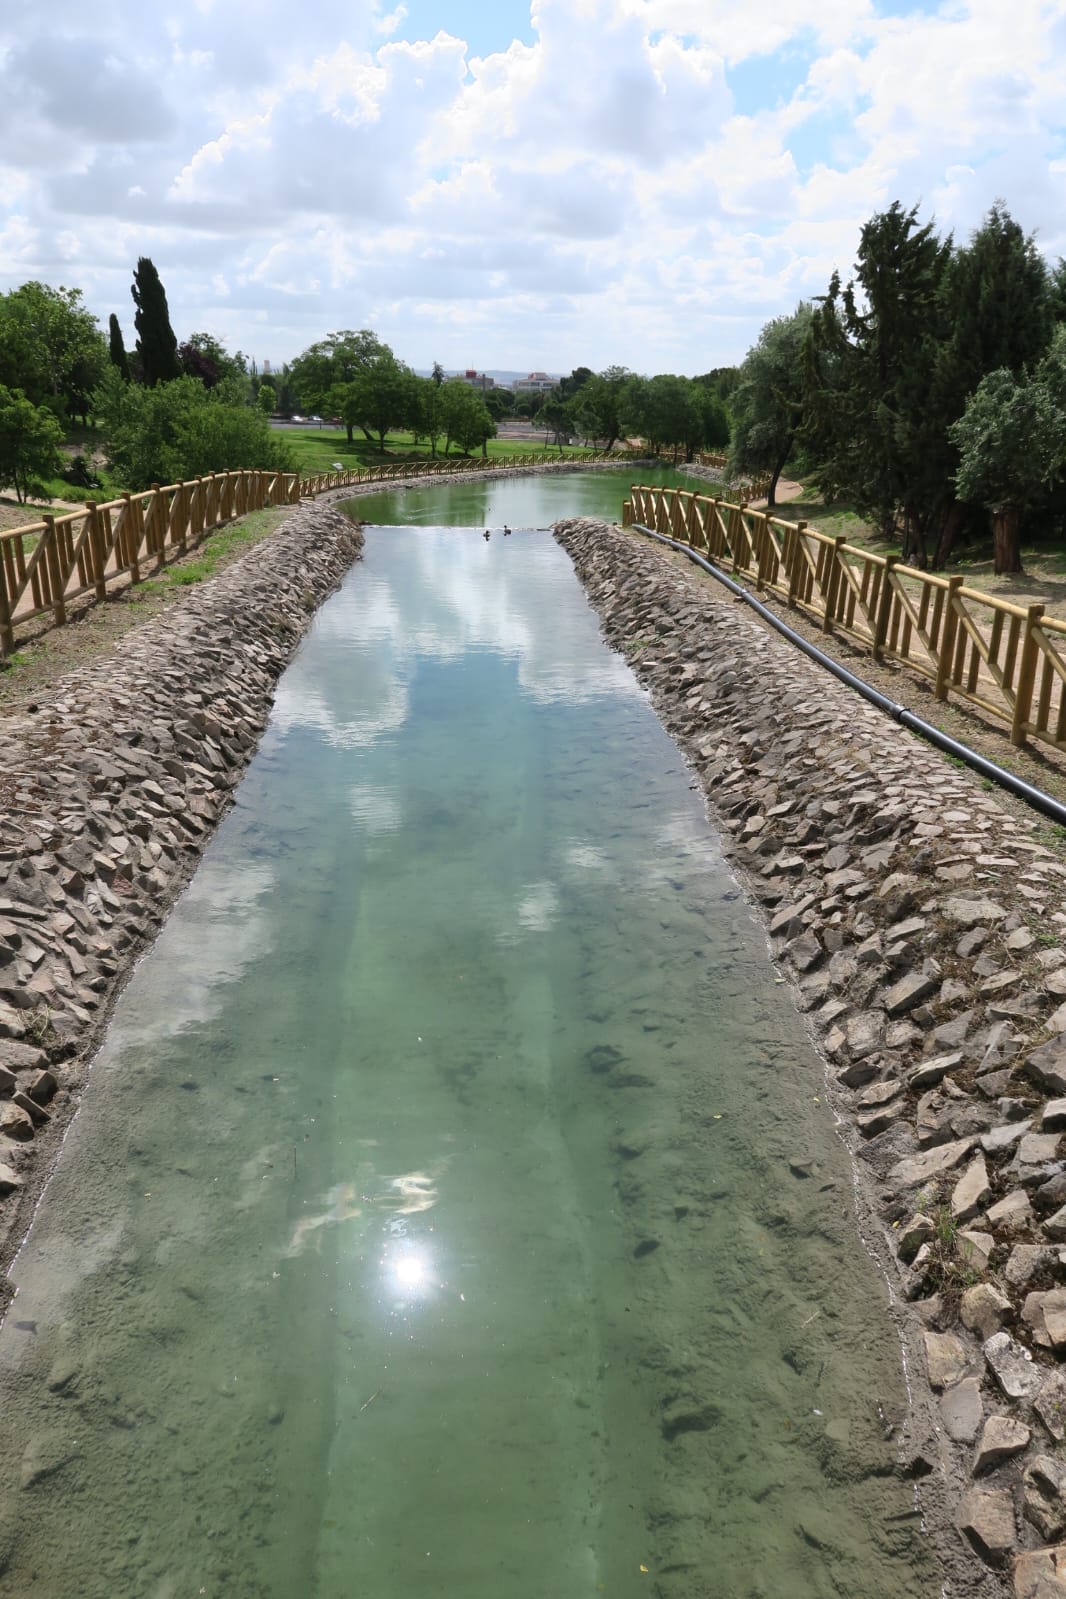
[[518, 502], [454, 1210]]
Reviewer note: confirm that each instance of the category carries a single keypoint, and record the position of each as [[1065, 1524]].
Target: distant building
[[477, 380], [535, 383], [266, 369]]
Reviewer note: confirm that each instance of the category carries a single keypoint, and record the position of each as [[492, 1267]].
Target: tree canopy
[[51, 348], [767, 399], [30, 437]]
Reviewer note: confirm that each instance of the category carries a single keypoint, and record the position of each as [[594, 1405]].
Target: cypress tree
[[156, 344], [117, 348], [868, 359]]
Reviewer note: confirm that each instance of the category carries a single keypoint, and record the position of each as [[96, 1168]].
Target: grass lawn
[[319, 449]]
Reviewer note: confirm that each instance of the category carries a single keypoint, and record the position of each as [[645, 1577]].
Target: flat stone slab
[[971, 911], [909, 992], [986, 1518], [1047, 1065], [1001, 1438], [983, 1309], [930, 1072], [1036, 1149], [1013, 1212], [962, 1410], [947, 1357], [971, 1191], [1050, 1405], [997, 1139], [1013, 1366], [914, 1170], [1041, 1574]]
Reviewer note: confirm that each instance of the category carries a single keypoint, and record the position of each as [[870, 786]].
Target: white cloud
[[635, 180]]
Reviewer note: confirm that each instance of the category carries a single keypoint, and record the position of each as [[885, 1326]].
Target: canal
[[454, 1209]]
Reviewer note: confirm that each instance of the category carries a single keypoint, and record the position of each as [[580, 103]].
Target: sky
[[505, 184]]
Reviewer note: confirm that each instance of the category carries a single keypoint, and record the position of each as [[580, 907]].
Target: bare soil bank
[[921, 923]]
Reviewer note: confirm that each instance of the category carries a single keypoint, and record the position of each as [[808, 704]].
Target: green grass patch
[[319, 449], [216, 550]]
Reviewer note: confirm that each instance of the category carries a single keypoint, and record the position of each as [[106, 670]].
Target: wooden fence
[[752, 488], [1008, 660], [46, 565]]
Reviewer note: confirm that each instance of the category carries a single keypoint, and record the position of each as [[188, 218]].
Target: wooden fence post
[[131, 529], [7, 632], [884, 607], [1023, 695], [96, 545], [733, 532], [157, 542], [795, 560], [832, 582], [948, 631], [55, 574]]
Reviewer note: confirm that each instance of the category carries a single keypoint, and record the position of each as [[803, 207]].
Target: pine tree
[[156, 344], [117, 347]]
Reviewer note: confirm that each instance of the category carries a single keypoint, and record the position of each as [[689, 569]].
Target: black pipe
[[1034, 797]]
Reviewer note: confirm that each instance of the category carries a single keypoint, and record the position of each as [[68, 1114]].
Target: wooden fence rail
[[1008, 660], [46, 565]]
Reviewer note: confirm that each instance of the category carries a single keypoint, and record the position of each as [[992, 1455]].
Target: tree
[[1011, 440], [555, 415], [999, 314], [464, 419], [319, 377], [51, 347], [205, 357], [768, 398], [30, 438], [572, 385], [267, 398], [867, 363], [427, 411], [156, 344], [669, 410], [596, 406], [181, 430], [382, 395], [499, 403], [116, 349]]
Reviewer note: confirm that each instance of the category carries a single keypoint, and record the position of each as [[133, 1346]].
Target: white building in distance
[[535, 383]]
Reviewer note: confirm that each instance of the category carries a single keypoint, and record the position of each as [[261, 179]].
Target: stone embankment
[[109, 791], [924, 929]]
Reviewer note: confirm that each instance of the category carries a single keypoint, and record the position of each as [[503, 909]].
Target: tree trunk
[[1006, 539], [914, 550], [779, 467], [350, 428], [950, 523]]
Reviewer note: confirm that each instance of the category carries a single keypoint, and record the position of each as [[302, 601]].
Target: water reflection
[[470, 597]]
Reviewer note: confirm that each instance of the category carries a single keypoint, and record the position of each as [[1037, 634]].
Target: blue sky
[[519, 185]]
